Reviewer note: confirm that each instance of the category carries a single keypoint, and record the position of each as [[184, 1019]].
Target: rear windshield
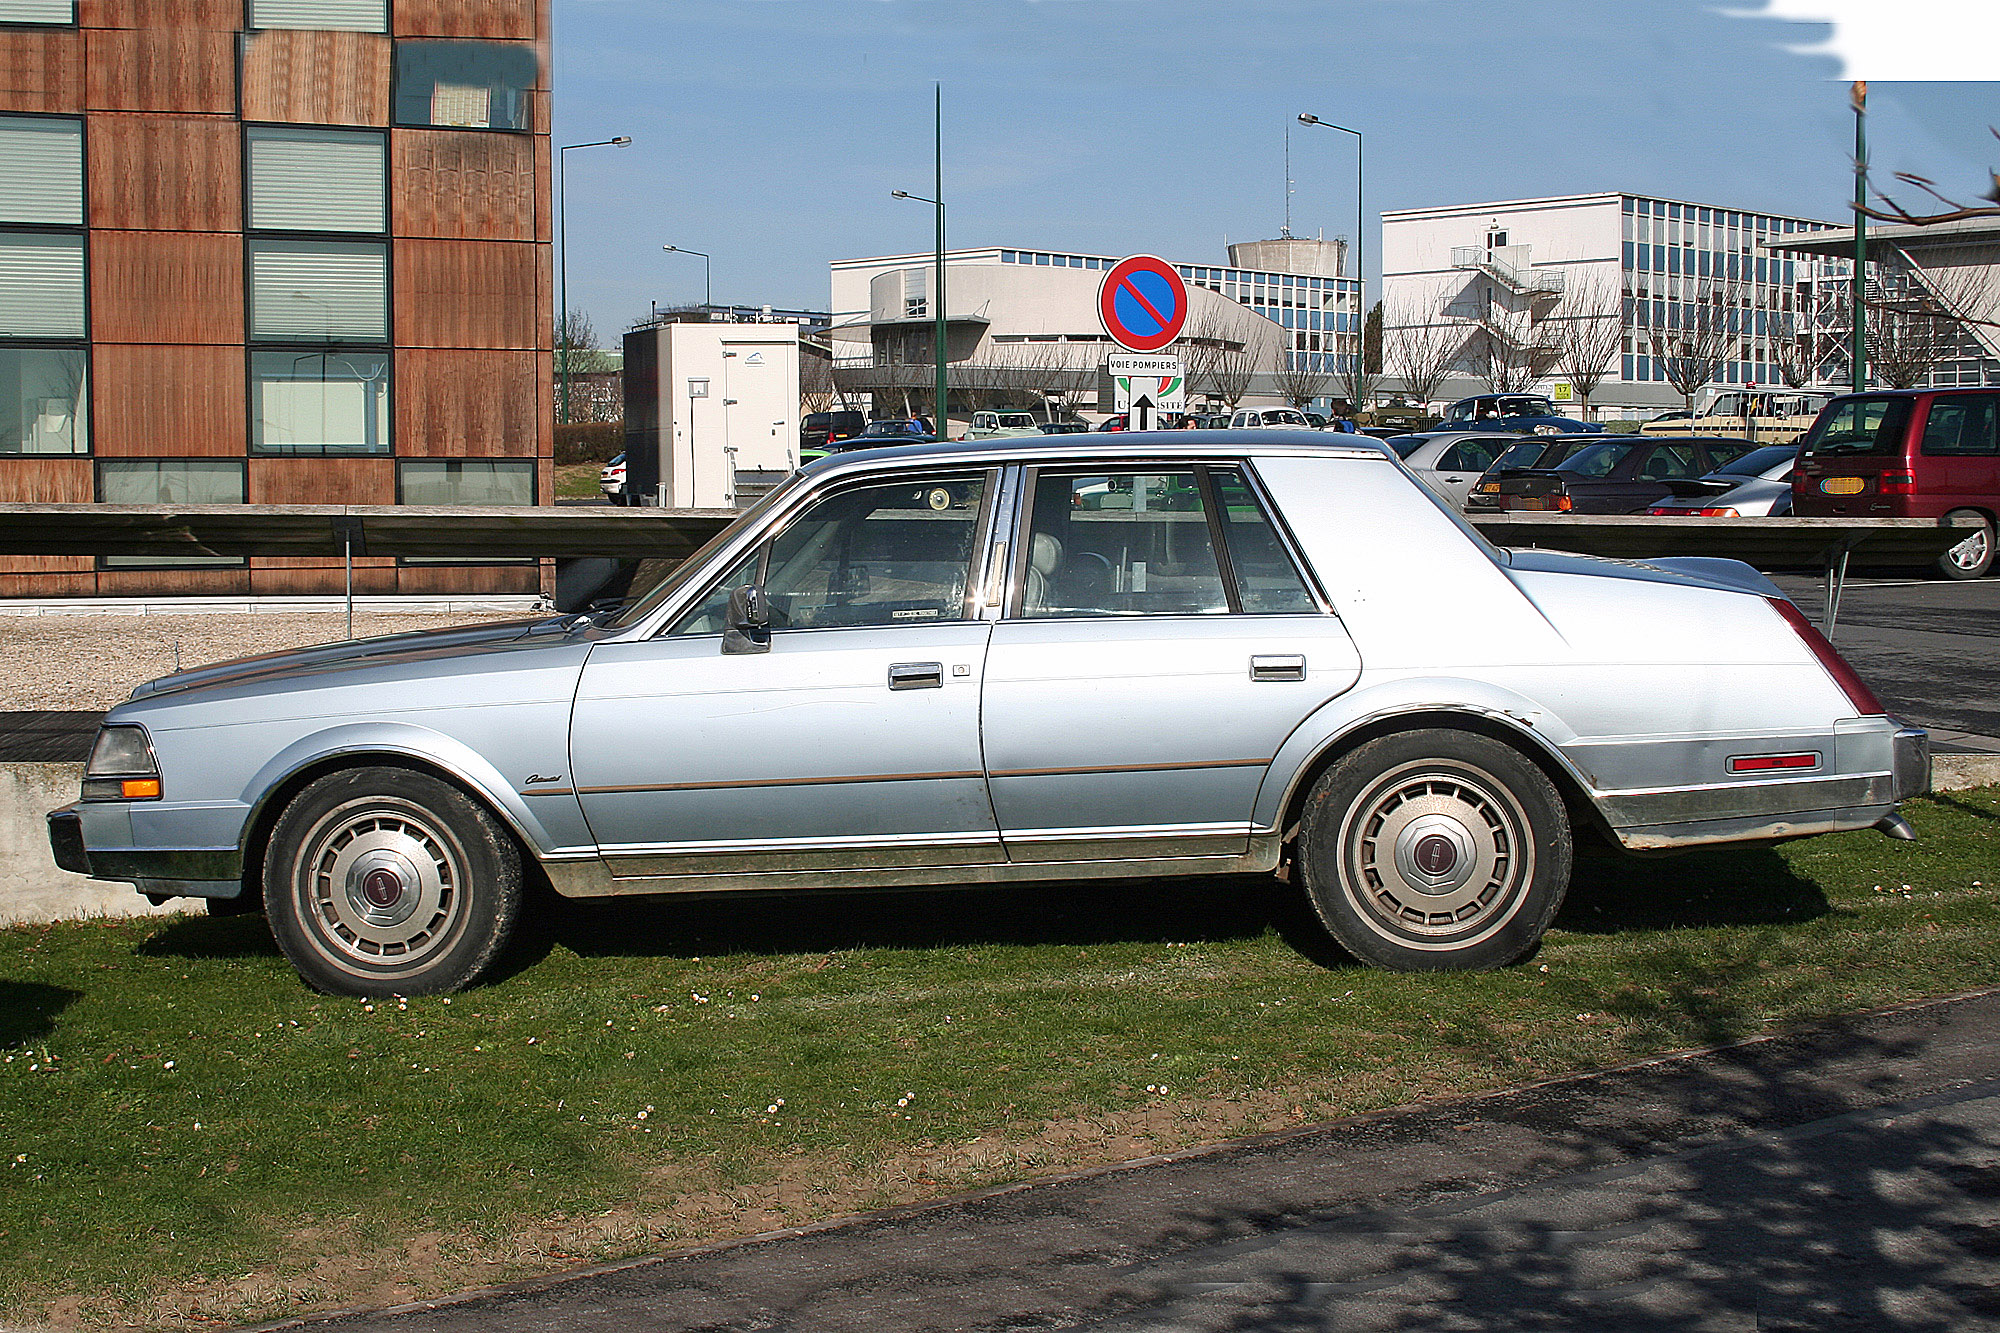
[[1596, 460], [1756, 461], [1857, 426], [1405, 445]]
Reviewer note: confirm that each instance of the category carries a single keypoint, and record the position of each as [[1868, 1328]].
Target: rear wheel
[[385, 881], [1435, 851], [1973, 557]]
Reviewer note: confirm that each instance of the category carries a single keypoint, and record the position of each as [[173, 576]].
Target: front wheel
[[1435, 851], [381, 881], [1973, 557]]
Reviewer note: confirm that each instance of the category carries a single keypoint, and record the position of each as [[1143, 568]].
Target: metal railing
[[1500, 266]]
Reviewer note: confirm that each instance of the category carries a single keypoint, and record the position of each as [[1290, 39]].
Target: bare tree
[[1218, 366], [816, 388], [1302, 378], [1700, 336], [1357, 382], [576, 342], [1589, 331], [1794, 347], [1917, 319], [1054, 372], [1420, 350], [1512, 351]]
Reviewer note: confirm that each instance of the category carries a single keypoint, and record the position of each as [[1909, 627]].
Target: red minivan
[[1907, 453]]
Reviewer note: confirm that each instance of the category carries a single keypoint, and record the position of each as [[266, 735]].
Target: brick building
[[273, 252]]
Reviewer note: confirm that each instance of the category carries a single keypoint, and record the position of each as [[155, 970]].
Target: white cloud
[[1912, 39]]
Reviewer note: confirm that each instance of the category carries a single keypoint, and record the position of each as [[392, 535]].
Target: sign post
[[1143, 305], [1147, 386]]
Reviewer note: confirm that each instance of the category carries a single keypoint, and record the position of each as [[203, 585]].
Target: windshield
[[1596, 460], [1405, 445], [670, 580], [1527, 407], [893, 428], [1857, 426], [1758, 461]]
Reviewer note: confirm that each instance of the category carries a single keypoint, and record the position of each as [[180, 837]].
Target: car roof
[[1111, 447]]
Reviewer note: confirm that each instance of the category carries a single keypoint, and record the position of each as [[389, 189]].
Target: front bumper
[[180, 872]]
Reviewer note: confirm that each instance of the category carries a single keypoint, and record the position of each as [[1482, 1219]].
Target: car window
[[892, 554], [1757, 461], [1405, 445], [1467, 456], [1521, 455], [1722, 451], [1671, 460], [1858, 426], [1959, 426], [1596, 460], [1120, 542], [1267, 582]]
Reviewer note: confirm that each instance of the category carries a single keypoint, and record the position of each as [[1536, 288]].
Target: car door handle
[[1278, 666], [916, 675]]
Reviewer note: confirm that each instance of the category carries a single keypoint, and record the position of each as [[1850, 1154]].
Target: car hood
[[420, 645]]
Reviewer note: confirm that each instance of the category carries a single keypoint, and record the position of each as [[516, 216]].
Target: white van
[[1259, 417], [999, 425]]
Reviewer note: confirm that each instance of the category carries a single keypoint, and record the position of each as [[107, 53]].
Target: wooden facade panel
[[497, 20], [171, 68], [371, 579], [419, 579], [467, 294], [166, 287], [170, 173], [168, 402], [219, 15], [41, 70], [209, 581], [318, 78], [48, 576], [32, 479], [322, 481], [463, 184], [466, 404]]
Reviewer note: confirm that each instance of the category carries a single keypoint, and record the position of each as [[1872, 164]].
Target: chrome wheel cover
[[1970, 553], [1436, 855], [381, 883]]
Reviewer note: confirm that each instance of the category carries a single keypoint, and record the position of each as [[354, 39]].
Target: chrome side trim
[[773, 782], [801, 855], [574, 881], [1747, 829], [1745, 800], [182, 863], [1140, 842], [1125, 768]]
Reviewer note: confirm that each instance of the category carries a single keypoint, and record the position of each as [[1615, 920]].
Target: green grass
[[578, 481], [651, 1074]]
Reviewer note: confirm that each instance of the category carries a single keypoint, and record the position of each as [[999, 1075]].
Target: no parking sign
[[1143, 303]]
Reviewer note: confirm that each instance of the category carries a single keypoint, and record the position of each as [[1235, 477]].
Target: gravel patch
[[92, 662]]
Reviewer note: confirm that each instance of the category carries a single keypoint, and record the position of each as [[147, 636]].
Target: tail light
[[1719, 511], [1897, 483], [1858, 694]]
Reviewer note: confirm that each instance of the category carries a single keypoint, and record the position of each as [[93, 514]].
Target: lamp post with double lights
[[938, 203], [1360, 267], [707, 292], [562, 253]]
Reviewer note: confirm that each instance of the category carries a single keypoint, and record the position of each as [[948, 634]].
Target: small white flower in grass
[[367, 1008], [168, 1065], [756, 997], [1544, 968]]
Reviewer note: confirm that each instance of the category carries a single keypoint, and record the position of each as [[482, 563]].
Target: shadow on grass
[[211, 937], [1753, 886], [28, 1010], [1963, 807]]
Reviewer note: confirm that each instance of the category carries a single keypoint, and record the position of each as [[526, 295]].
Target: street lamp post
[[1858, 290], [562, 254], [938, 424], [707, 292], [1360, 267]]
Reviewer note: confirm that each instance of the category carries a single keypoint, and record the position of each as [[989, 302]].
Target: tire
[[384, 881], [1483, 815], [1973, 557]]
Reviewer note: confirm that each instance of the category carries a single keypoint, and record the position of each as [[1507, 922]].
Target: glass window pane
[[1960, 426], [896, 554], [1120, 543], [346, 15], [41, 286], [37, 11], [164, 481], [44, 401], [316, 180], [319, 291], [467, 482], [319, 403], [464, 85], [709, 617], [41, 171], [1267, 582]]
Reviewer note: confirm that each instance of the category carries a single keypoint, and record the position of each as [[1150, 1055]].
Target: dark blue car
[[1522, 413]]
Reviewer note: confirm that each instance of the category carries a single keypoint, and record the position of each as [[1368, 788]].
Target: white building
[[1493, 274], [1022, 326]]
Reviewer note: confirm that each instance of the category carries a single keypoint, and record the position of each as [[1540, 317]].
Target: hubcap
[[1436, 858], [1970, 553], [383, 885]]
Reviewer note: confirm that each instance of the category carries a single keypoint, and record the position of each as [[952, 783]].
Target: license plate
[[1532, 502], [1842, 485]]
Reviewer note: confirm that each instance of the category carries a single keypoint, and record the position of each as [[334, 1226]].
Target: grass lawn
[[578, 481], [190, 1135]]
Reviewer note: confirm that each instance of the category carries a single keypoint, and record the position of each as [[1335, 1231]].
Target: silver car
[[1451, 462], [1076, 658]]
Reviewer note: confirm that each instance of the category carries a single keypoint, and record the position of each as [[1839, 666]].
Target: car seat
[[1045, 555]]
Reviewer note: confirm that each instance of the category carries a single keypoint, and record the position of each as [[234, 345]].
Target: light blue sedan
[[1074, 658]]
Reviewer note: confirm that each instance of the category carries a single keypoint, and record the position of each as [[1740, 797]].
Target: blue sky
[[771, 132]]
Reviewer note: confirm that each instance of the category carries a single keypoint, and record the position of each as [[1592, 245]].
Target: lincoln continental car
[[1076, 658]]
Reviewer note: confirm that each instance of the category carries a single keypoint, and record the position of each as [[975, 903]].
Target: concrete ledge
[[523, 604], [33, 889]]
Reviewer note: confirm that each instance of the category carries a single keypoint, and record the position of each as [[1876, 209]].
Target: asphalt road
[[1842, 1177]]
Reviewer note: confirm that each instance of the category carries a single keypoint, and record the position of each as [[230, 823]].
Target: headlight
[[122, 767]]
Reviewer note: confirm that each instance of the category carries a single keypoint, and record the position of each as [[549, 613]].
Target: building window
[[464, 85], [38, 11], [44, 400], [345, 15], [315, 180], [319, 291], [465, 481], [41, 171], [319, 402], [170, 481], [41, 285]]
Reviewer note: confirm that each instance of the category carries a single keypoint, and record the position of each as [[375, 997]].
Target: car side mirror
[[749, 621]]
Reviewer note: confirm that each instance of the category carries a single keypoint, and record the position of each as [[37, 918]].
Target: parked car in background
[[1768, 415], [1539, 451], [1523, 413], [1452, 462], [1063, 428], [890, 431], [1912, 453], [611, 480], [1262, 418], [1002, 425], [1114, 422], [1398, 416], [820, 430], [1757, 485], [1618, 474], [1167, 654]]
